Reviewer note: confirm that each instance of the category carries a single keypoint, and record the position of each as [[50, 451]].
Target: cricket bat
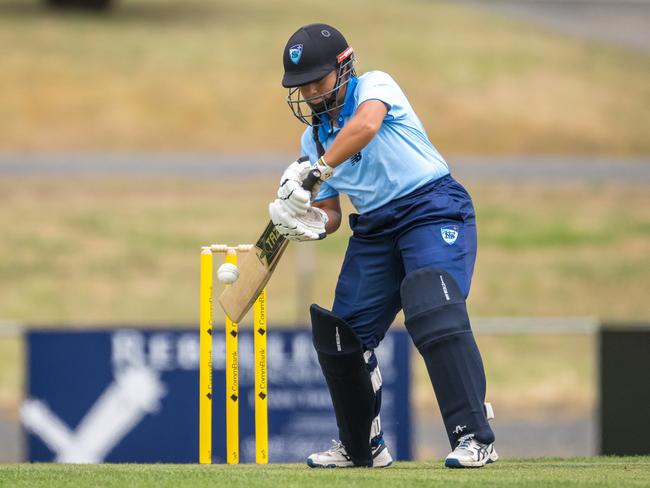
[[257, 267]]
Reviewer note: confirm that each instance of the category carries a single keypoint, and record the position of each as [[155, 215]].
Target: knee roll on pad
[[340, 354], [434, 306]]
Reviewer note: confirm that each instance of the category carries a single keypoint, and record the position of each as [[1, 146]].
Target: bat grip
[[312, 178]]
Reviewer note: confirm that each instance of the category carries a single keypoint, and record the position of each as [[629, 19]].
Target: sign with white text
[[131, 395]]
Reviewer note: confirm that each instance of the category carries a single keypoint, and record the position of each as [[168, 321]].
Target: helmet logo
[[295, 52], [325, 33]]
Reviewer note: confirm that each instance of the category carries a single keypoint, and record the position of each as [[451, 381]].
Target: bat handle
[[312, 178]]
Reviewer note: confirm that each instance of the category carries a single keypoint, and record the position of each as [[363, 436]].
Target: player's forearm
[[334, 220], [332, 208], [353, 138]]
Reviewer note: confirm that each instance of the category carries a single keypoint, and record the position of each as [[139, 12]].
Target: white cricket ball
[[227, 273]]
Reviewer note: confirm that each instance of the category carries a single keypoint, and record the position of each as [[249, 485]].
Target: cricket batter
[[413, 247]]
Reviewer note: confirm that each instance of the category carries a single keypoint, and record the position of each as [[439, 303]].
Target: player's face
[[314, 91]]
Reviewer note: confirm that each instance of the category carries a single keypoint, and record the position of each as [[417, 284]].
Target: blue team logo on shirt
[[295, 52], [449, 234]]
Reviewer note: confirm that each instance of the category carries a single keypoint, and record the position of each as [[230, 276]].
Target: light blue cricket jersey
[[398, 160]]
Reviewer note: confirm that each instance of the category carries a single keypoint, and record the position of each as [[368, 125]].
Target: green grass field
[[93, 252], [612, 472]]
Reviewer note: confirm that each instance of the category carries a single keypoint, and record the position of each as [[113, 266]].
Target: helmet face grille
[[310, 113]]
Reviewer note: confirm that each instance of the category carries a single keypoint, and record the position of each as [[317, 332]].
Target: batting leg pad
[[437, 320], [340, 354], [376, 434]]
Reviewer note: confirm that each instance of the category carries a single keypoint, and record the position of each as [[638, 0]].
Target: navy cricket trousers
[[432, 227]]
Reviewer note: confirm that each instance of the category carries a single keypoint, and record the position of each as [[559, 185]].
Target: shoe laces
[[465, 442], [336, 446]]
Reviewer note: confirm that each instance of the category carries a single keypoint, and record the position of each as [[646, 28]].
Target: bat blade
[[255, 271]]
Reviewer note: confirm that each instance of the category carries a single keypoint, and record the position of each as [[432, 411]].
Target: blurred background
[[133, 132]]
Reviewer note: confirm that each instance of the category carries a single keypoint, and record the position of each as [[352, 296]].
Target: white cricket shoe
[[470, 453], [336, 457]]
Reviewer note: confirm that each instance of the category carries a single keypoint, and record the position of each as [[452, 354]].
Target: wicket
[[232, 366]]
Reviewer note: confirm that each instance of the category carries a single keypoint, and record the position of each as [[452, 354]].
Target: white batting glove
[[309, 227], [296, 199]]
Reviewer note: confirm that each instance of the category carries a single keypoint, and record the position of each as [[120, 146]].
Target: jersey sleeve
[[377, 85], [308, 146]]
